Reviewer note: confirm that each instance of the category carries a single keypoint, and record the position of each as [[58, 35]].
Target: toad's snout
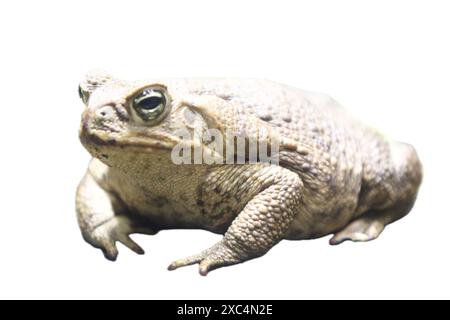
[[101, 124], [105, 118]]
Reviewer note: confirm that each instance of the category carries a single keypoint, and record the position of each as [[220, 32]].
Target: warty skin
[[335, 175]]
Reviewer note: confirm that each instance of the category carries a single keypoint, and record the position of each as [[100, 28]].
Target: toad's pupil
[[150, 103]]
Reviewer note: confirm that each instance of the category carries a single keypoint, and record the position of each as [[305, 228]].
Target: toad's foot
[[217, 256], [107, 234], [100, 222], [362, 229], [372, 223]]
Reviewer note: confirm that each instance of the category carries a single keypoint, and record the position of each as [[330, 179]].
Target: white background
[[387, 61]]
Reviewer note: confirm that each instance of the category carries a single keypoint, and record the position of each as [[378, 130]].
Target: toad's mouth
[[107, 138]]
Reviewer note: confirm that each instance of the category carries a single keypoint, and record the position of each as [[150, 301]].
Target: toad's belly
[[160, 210], [162, 214], [179, 210]]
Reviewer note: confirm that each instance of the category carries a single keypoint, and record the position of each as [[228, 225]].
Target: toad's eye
[[149, 104]]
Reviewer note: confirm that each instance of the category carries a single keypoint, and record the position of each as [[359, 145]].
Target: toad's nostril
[[106, 112]]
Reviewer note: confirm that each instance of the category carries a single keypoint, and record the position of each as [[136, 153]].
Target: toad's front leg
[[260, 225], [102, 217]]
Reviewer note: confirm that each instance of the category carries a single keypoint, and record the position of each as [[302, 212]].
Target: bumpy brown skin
[[335, 175]]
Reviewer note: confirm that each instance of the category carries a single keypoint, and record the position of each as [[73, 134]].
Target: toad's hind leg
[[404, 183], [365, 228], [370, 225]]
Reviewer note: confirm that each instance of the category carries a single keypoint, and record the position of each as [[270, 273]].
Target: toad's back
[[348, 169]]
